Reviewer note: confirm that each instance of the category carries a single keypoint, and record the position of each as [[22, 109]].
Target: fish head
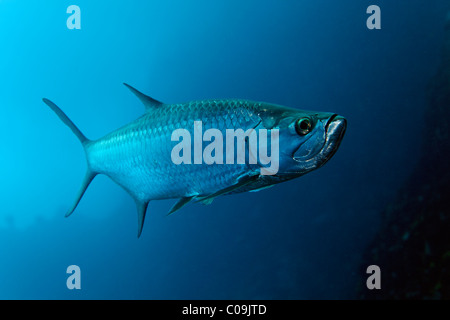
[[307, 139]]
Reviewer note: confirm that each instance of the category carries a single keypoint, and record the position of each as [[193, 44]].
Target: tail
[[90, 175]]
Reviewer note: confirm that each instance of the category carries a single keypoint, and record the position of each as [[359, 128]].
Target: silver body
[[138, 155]]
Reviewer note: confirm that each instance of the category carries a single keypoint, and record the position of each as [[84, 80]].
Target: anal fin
[[180, 204], [141, 211]]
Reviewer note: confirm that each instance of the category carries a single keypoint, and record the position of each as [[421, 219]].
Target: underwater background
[[310, 238]]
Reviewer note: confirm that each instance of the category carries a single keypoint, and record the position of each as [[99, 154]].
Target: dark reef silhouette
[[412, 247]]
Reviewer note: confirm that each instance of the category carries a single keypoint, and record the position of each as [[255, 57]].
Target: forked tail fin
[[66, 120], [90, 175]]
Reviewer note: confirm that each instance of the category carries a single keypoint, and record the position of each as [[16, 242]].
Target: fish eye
[[303, 126]]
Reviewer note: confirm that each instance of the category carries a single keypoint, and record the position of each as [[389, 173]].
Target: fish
[[139, 156]]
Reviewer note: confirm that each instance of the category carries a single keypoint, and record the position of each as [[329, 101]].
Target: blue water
[[302, 239]]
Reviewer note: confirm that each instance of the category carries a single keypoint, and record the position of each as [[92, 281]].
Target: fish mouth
[[335, 130]]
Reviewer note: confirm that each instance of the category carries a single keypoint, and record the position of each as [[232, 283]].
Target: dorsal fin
[[148, 102]]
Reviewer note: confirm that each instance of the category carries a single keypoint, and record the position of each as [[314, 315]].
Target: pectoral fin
[[206, 202], [262, 188], [242, 181]]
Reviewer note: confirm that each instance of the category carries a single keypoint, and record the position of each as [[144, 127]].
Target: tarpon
[[137, 156]]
